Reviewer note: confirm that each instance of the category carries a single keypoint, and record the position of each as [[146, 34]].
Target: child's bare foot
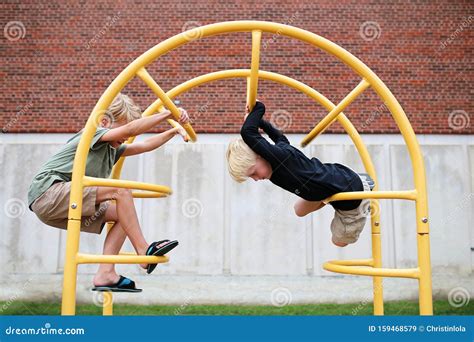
[[106, 278]]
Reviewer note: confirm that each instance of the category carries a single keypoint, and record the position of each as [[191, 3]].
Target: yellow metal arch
[[371, 267]]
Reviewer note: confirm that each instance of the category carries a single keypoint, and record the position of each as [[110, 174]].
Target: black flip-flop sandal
[[159, 248], [123, 285]]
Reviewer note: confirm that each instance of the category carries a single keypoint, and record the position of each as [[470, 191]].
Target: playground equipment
[[368, 267]]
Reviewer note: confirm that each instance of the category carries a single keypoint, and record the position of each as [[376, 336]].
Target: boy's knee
[[338, 244], [123, 193], [299, 210]]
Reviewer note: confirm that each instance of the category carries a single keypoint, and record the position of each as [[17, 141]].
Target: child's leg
[[113, 243], [125, 213], [304, 207]]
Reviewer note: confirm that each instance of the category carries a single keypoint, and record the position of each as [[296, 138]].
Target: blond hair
[[240, 158], [123, 108]]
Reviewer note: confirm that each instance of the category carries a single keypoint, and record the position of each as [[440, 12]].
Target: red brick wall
[[57, 58]]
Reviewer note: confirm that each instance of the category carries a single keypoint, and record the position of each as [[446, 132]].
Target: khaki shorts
[[347, 225], [52, 208]]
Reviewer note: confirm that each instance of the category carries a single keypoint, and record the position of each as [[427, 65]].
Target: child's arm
[[139, 126], [150, 144], [251, 136], [275, 134]]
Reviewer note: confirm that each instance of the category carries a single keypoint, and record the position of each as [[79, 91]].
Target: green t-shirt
[[100, 160]]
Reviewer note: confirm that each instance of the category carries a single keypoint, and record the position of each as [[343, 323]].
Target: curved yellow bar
[[354, 262], [148, 194], [371, 271], [125, 184], [345, 196]]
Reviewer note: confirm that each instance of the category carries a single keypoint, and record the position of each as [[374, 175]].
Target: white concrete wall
[[242, 243]]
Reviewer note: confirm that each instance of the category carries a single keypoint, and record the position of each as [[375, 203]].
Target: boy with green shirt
[[48, 195]]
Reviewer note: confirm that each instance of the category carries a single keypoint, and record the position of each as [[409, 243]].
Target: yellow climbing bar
[[150, 82], [252, 81], [119, 259], [345, 196], [332, 115], [125, 184], [336, 266]]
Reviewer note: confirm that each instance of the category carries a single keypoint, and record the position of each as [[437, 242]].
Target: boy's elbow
[[244, 132], [259, 105]]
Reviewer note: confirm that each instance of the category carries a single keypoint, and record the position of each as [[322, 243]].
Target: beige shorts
[[52, 208], [347, 225]]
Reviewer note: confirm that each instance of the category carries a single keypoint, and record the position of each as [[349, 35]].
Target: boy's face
[[107, 124], [261, 170]]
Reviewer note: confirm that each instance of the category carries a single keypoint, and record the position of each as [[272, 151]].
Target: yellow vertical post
[[252, 81], [108, 297], [377, 281], [424, 282], [68, 306], [108, 304]]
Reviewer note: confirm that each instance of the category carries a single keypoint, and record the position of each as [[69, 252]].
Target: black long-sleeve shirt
[[292, 170]]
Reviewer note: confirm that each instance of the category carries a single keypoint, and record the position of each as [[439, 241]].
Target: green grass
[[441, 307]]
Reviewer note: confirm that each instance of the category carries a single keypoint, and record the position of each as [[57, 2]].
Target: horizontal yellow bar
[[125, 184], [344, 196], [120, 259], [146, 77], [332, 115], [148, 194], [354, 262], [371, 271]]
